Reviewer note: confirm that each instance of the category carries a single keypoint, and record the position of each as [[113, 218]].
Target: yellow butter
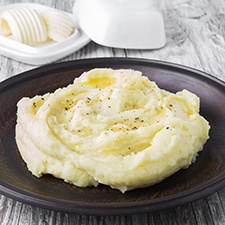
[[59, 25]]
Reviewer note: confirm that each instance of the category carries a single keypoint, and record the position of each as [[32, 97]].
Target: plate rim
[[55, 65], [180, 198]]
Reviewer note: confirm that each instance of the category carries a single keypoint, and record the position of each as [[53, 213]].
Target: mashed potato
[[113, 127]]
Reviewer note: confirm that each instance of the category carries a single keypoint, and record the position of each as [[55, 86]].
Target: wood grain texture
[[195, 33]]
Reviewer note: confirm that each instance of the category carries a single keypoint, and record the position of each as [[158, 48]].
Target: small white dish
[[129, 24], [42, 53]]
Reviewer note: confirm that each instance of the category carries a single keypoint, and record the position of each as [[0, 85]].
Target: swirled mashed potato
[[114, 127]]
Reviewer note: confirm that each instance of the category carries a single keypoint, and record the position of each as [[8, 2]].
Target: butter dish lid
[[43, 53], [128, 24]]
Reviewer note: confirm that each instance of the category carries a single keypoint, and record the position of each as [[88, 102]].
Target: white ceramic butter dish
[[41, 53], [129, 24]]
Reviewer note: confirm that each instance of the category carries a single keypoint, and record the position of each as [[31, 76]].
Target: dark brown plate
[[204, 177]]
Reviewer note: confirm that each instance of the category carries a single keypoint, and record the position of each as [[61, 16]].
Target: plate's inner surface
[[16, 181]]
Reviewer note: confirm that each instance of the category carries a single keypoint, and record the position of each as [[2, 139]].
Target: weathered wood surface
[[195, 37]]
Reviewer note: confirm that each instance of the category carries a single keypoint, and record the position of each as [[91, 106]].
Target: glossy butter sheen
[[113, 127]]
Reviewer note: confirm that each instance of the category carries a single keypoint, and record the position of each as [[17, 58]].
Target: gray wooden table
[[195, 32]]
